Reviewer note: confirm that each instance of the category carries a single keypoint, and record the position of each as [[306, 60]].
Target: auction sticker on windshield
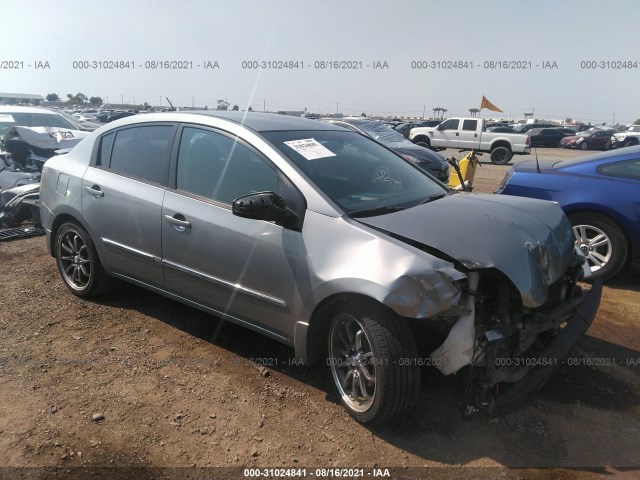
[[5, 117], [310, 149]]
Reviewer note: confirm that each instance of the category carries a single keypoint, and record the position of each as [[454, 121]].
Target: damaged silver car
[[328, 242], [28, 138]]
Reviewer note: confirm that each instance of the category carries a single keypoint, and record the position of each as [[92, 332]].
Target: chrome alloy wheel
[[75, 260], [595, 245], [352, 362], [381, 175]]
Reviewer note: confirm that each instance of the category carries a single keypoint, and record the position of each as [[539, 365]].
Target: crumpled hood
[[528, 240], [50, 138]]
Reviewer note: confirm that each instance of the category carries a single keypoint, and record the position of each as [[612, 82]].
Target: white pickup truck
[[469, 133], [631, 136]]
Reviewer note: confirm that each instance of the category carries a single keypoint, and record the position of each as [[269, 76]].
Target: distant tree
[[77, 98], [95, 101], [363, 114], [637, 122], [52, 97], [222, 105], [568, 120], [250, 109], [235, 108]]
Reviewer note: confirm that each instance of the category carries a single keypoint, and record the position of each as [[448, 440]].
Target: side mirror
[[267, 206]]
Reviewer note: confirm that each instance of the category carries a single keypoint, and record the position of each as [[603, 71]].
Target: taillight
[[528, 140]]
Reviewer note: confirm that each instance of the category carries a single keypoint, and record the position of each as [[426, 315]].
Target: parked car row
[[541, 134], [424, 158]]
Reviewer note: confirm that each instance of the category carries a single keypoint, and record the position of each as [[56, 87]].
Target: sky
[[569, 36]]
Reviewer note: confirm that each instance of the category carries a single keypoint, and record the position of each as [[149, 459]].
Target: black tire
[[583, 145], [501, 155], [385, 352], [78, 262], [601, 241], [630, 143], [425, 144]]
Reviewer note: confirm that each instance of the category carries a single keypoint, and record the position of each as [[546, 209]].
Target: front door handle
[[95, 191], [178, 221]]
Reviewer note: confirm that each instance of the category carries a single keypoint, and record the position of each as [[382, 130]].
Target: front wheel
[[601, 241], [373, 362], [78, 262], [425, 144], [583, 146]]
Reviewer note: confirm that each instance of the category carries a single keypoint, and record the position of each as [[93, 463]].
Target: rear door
[[469, 137], [122, 193], [236, 266]]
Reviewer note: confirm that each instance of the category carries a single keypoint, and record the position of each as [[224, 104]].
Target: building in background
[[20, 99]]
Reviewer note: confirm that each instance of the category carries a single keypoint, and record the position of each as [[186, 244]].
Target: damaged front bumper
[[509, 351], [541, 368]]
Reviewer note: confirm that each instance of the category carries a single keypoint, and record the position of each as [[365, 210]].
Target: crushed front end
[[510, 350]]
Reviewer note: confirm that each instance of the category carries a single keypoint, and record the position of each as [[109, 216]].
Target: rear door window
[[470, 125], [141, 152]]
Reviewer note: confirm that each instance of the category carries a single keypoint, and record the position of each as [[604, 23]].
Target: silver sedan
[[328, 242]]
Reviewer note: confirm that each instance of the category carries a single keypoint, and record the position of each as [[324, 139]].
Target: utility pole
[[337, 109], [424, 108], [122, 99], [193, 101], [264, 105], [160, 97]]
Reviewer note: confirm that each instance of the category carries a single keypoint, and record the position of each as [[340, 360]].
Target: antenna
[[537, 162]]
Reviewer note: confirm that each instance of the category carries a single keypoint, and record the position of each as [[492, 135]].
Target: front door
[[236, 266]]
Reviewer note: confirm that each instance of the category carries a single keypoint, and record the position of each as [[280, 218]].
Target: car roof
[[21, 109], [611, 154], [258, 121]]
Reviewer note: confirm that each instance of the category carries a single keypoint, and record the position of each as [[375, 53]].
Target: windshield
[[21, 119], [357, 174]]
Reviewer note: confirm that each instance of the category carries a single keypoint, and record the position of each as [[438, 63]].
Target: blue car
[[601, 196]]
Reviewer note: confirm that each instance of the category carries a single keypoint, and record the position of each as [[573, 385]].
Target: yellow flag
[[487, 104]]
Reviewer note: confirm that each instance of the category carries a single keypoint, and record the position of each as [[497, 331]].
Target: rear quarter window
[[626, 169]]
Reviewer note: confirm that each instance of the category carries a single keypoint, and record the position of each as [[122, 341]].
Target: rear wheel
[[501, 155], [372, 357], [78, 262], [601, 241]]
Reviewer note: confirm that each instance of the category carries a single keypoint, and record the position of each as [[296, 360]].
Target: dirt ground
[[136, 380]]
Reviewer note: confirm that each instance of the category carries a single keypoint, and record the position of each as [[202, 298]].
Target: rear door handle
[[178, 221], [95, 191]]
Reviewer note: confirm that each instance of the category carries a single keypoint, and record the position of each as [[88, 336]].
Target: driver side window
[[451, 124]]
